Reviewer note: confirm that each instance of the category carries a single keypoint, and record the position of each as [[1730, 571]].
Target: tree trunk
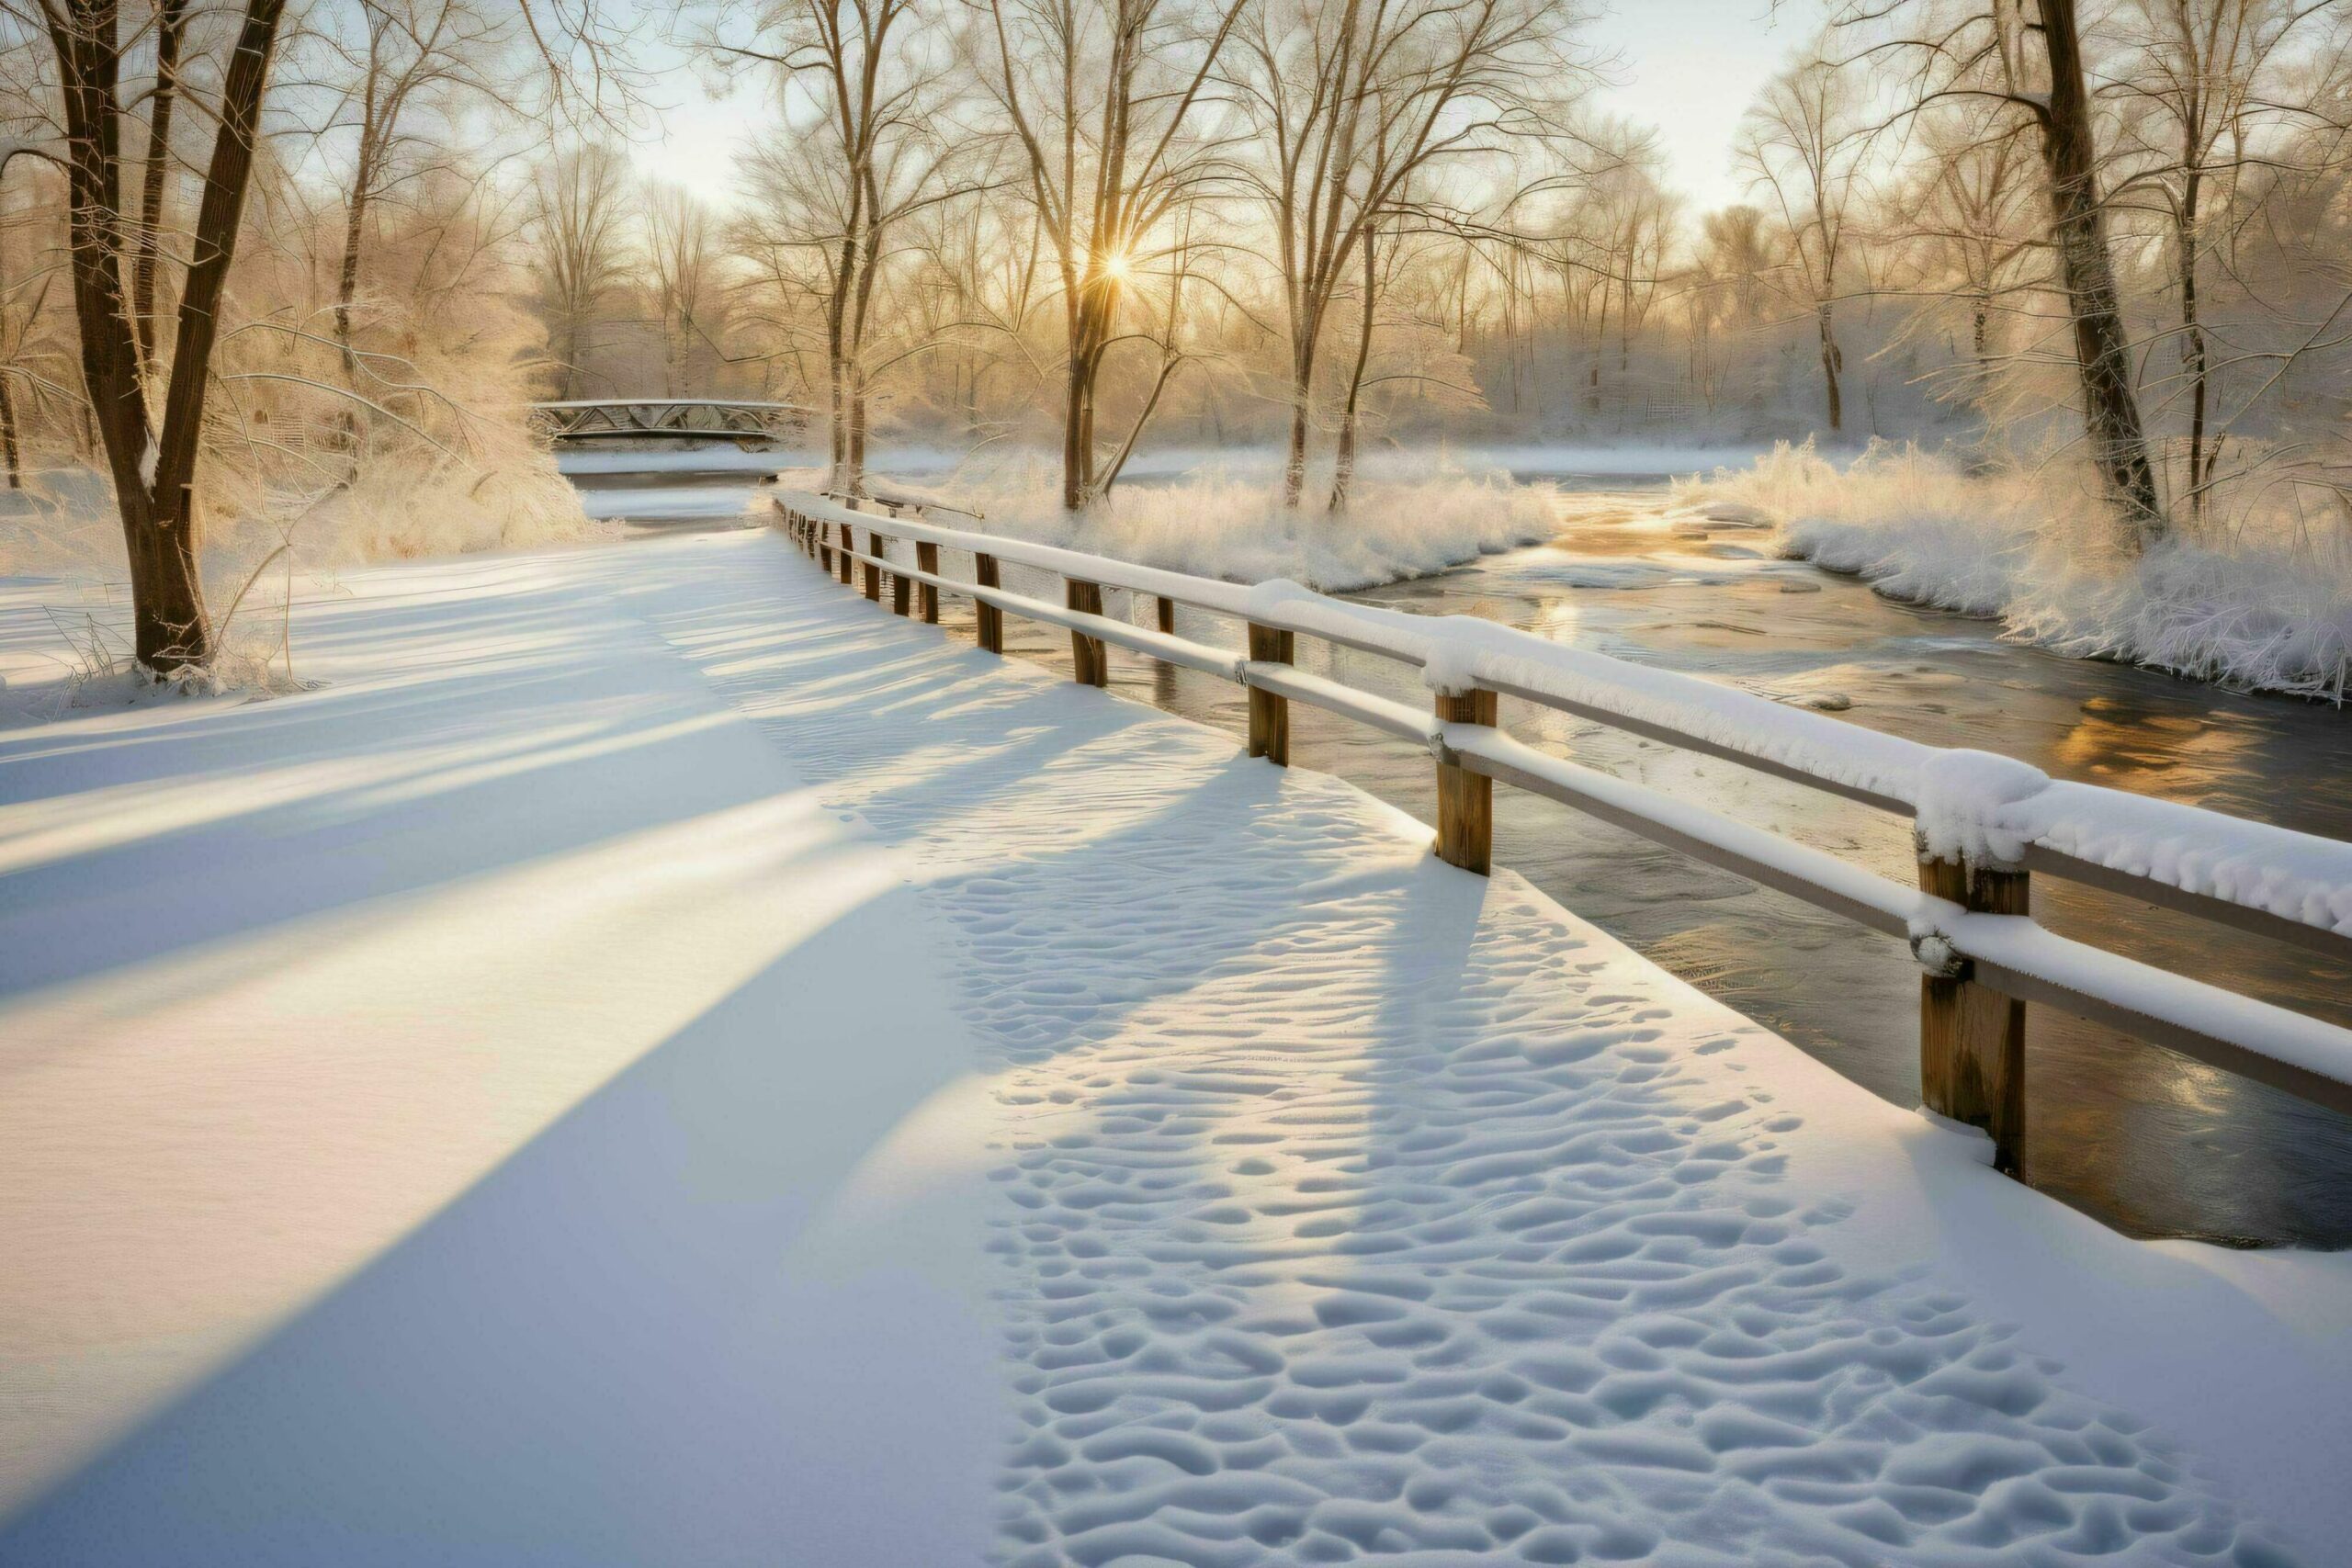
[[837, 344], [171, 24], [1343, 471], [2078, 231], [215, 248], [1073, 433], [2194, 356], [1833, 360], [9, 435], [1294, 465]]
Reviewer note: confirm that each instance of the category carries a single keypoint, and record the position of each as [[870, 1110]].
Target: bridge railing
[[684, 419], [1982, 825]]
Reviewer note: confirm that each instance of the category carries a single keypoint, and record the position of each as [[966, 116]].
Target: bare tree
[[2027, 56], [2194, 91], [874, 153], [580, 223], [1102, 99], [153, 464], [1804, 143], [683, 253], [414, 66], [1357, 100]]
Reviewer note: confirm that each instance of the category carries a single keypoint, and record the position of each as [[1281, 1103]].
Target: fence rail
[[1984, 825]]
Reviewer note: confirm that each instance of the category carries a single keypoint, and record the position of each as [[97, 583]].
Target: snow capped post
[[873, 570], [1466, 801], [1269, 713], [1090, 666], [849, 545], [1972, 1038]]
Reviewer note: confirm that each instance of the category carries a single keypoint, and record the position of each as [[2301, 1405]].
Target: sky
[[1687, 67]]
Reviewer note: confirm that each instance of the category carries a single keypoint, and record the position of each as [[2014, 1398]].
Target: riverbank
[[2267, 607], [1223, 517], [803, 1097]]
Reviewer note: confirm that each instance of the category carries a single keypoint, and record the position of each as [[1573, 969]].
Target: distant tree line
[[2117, 238]]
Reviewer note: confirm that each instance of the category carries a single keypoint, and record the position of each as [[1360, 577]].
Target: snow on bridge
[[657, 1061]]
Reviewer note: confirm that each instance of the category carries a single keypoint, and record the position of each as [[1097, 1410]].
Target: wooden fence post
[[1972, 1038], [1089, 667], [901, 592], [849, 543], [927, 559], [872, 570], [1166, 614], [1269, 711], [825, 546], [1466, 801], [986, 618]]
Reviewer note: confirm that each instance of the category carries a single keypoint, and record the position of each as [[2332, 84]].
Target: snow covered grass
[[61, 531], [2267, 607], [1405, 519]]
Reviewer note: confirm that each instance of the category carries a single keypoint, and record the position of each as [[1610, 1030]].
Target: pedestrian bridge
[[580, 420]]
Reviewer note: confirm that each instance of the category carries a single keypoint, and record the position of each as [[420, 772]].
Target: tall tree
[[1104, 100], [580, 223], [1355, 103], [1804, 144], [152, 463]]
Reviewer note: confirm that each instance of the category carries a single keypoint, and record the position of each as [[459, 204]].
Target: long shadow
[[677, 1326], [255, 817]]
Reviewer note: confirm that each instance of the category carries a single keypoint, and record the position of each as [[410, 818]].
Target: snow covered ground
[[2260, 600], [654, 1060]]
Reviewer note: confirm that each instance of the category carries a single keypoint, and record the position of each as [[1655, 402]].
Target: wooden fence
[[1983, 957]]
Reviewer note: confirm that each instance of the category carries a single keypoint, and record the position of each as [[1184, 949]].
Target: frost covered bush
[[1403, 519], [2264, 603]]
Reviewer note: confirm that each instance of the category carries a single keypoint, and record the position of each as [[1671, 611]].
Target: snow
[[659, 1060], [669, 459], [1410, 516], [2261, 598], [666, 503], [1963, 799]]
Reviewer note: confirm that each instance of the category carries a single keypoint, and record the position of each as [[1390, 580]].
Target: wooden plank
[[849, 543], [1466, 801], [1972, 1037], [1090, 663], [872, 571], [927, 559], [989, 619], [901, 594], [1269, 711], [1167, 613]]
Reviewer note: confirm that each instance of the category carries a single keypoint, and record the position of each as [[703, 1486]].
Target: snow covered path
[[1343, 1206]]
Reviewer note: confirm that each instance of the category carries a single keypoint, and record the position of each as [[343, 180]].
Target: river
[[2145, 1140]]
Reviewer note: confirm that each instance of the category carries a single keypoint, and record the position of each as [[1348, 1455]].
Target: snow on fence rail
[[1984, 824]]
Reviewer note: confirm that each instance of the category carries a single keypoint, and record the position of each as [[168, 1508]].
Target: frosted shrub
[[1403, 519], [2263, 602]]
